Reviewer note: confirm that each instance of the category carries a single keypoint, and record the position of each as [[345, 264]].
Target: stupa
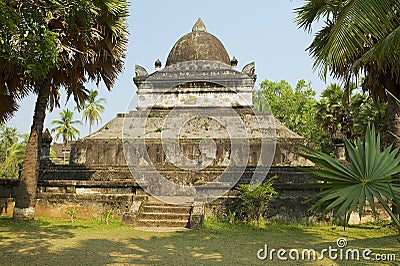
[[194, 124], [191, 139]]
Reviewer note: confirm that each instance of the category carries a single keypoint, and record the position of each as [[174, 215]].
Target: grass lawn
[[89, 242]]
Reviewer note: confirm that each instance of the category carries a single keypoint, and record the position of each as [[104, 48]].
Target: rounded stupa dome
[[198, 45]]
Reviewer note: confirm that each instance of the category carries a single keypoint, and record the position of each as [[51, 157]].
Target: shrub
[[72, 214], [107, 216], [254, 200]]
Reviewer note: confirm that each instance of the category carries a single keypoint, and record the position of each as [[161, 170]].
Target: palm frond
[[369, 176], [357, 35], [65, 126]]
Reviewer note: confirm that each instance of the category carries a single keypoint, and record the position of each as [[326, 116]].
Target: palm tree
[[7, 108], [370, 174], [83, 43], [93, 109], [8, 137], [349, 45], [331, 110], [16, 155], [28, 50], [65, 126]]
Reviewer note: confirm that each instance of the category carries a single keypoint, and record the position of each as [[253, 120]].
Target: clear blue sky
[[254, 30]]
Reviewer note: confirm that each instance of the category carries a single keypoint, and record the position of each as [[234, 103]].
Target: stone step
[[164, 216], [166, 209], [160, 214], [161, 223]]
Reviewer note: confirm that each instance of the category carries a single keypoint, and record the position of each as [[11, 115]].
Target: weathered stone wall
[[90, 191], [193, 84], [111, 152], [294, 188], [100, 191], [7, 190], [7, 187], [98, 152], [93, 191]]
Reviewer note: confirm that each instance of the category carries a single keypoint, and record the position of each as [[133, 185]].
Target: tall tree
[[27, 52], [293, 107], [350, 113], [93, 109], [65, 126], [74, 41], [359, 38], [332, 111]]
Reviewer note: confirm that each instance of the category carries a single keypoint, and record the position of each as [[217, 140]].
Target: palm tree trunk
[[64, 151], [394, 121], [25, 195], [394, 118], [90, 124]]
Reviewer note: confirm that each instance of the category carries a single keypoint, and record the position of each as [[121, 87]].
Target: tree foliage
[[358, 39], [12, 151], [68, 42], [90, 40], [350, 113], [93, 108], [319, 120], [292, 107], [254, 200], [64, 127], [356, 36], [28, 49]]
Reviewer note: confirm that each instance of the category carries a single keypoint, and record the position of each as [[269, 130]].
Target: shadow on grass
[[23, 239], [33, 226], [46, 243], [380, 238]]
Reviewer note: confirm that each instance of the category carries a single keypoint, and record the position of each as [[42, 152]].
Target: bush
[[254, 200]]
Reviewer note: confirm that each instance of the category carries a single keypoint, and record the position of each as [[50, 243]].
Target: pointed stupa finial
[[199, 26], [158, 64]]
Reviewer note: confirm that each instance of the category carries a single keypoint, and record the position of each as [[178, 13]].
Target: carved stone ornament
[[141, 71], [250, 70]]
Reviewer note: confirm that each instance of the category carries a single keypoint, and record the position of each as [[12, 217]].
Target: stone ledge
[[84, 183], [88, 197]]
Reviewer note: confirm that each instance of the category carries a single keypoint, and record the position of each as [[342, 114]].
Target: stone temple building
[[199, 80], [191, 139]]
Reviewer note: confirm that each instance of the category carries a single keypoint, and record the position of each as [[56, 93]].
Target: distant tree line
[[320, 120], [13, 144], [12, 151]]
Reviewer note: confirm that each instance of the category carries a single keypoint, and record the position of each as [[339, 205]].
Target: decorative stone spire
[[234, 62], [157, 65], [45, 151], [199, 26], [46, 136]]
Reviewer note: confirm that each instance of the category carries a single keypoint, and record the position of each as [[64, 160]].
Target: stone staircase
[[159, 214]]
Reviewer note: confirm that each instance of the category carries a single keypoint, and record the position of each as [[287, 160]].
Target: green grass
[[49, 241]]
